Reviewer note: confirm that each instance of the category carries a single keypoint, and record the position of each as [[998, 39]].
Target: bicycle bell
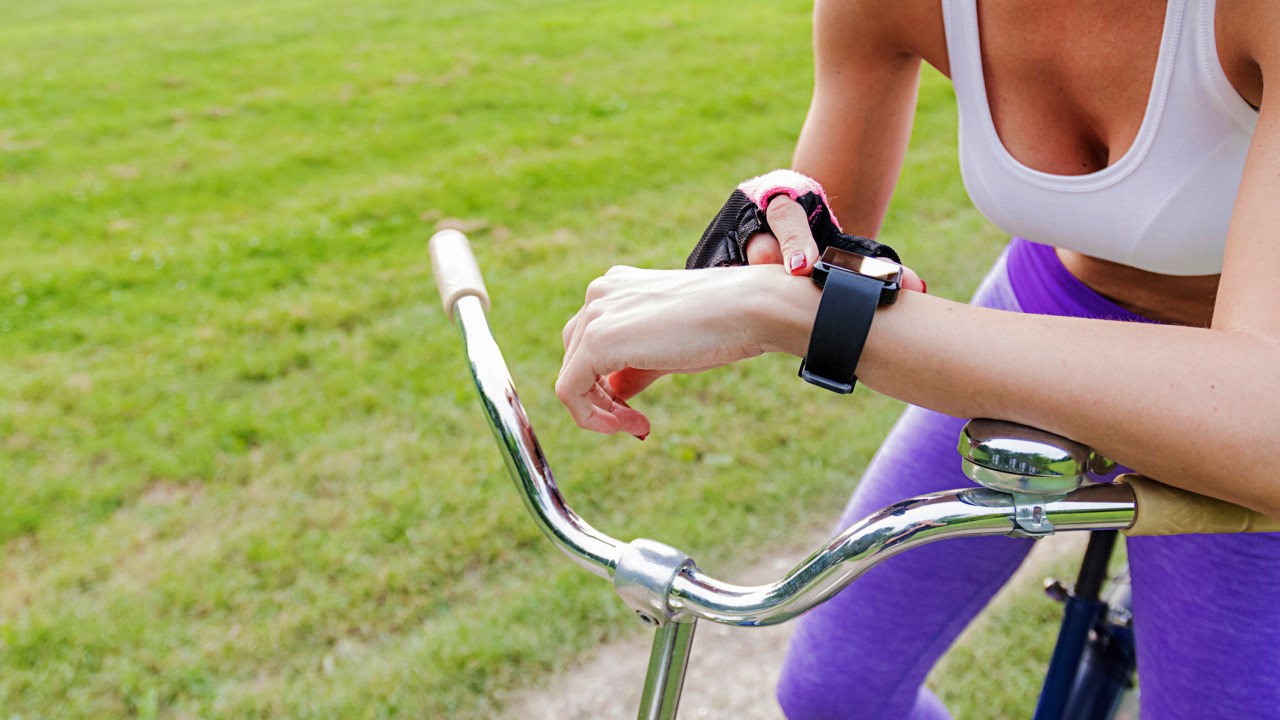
[[1014, 458]]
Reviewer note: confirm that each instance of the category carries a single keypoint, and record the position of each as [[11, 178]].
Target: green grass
[[242, 473]]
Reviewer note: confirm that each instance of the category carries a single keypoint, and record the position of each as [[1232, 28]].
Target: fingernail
[[924, 285], [797, 262]]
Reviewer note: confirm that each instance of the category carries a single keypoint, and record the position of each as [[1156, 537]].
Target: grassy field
[[241, 470]]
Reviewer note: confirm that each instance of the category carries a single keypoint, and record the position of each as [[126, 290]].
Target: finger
[[600, 398], [587, 409], [603, 406], [576, 382], [580, 322], [912, 281], [595, 290], [629, 382], [578, 401], [630, 420], [789, 223], [571, 334], [570, 329], [763, 249]]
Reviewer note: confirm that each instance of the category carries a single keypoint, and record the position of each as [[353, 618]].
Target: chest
[[1069, 84]]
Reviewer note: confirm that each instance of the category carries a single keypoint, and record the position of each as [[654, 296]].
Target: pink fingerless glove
[[724, 242]]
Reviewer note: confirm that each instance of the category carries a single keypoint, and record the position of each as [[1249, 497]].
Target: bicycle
[[1030, 483]]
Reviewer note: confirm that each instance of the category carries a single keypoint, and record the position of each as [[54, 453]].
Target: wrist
[[783, 311]]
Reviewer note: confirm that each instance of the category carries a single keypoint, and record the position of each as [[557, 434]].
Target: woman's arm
[[866, 80], [853, 141], [1196, 408], [855, 136]]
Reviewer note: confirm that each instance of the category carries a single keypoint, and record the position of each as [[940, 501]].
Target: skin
[[1194, 404]]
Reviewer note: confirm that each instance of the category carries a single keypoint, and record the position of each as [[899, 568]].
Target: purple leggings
[[1206, 607]]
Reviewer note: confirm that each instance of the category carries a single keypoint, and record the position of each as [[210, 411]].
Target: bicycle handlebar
[[456, 272], [899, 527], [910, 523], [526, 463], [1167, 510]]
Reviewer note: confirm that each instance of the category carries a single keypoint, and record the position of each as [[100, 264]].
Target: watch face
[[877, 268]]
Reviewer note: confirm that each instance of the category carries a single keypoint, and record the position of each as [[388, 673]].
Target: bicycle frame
[[667, 589]]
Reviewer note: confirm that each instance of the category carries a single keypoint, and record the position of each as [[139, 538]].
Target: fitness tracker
[[853, 286]]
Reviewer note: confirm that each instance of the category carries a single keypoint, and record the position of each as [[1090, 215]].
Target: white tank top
[[1165, 204]]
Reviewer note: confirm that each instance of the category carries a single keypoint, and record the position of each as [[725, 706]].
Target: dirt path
[[733, 670]]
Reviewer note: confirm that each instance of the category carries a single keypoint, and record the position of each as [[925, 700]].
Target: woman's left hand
[[638, 325]]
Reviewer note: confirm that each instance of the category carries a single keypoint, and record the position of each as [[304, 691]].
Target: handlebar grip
[[456, 272], [1166, 510]]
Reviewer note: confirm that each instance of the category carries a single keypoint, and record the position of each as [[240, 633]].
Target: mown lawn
[[241, 470]]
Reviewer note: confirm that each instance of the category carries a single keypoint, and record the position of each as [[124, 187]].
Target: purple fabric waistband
[[1044, 286]]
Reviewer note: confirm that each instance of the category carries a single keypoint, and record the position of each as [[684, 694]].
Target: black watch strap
[[848, 306]]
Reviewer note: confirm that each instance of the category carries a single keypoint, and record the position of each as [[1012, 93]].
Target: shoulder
[[847, 31]]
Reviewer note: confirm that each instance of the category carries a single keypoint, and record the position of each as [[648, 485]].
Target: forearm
[[859, 122], [1191, 407], [854, 144]]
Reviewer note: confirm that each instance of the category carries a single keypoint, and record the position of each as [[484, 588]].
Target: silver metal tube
[[667, 664], [899, 527], [884, 534], [1102, 506], [585, 545]]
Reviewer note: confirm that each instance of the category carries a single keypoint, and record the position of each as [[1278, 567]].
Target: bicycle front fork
[[1093, 662]]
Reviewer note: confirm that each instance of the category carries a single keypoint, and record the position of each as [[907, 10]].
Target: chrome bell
[[1015, 458]]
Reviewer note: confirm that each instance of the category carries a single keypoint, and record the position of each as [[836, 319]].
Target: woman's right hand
[[792, 244]]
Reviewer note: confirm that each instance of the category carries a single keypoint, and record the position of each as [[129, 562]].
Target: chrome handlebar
[[685, 590], [585, 545], [894, 529]]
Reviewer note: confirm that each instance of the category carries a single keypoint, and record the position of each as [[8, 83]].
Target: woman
[[1133, 137]]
